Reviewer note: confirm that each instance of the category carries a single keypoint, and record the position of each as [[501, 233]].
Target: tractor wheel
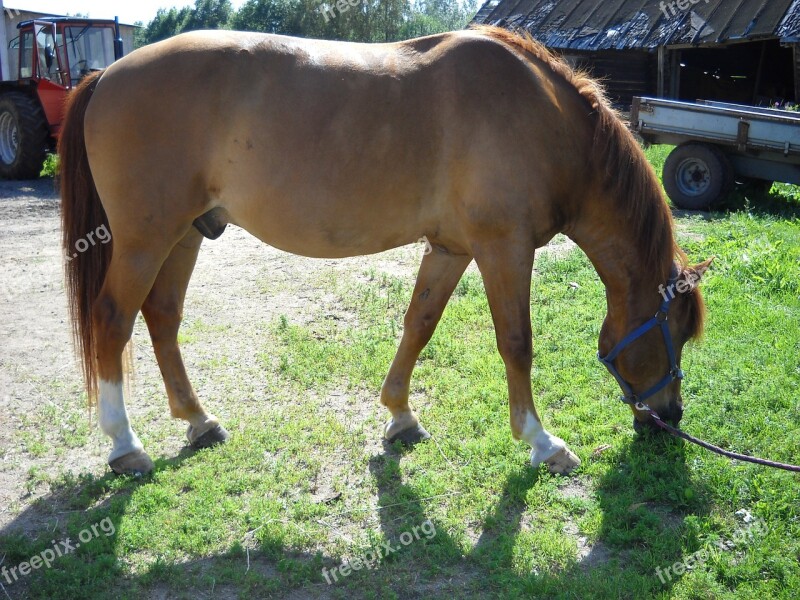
[[24, 136], [696, 176]]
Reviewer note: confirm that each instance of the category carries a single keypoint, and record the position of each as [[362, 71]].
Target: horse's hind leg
[[163, 310], [438, 276], [130, 276], [506, 269]]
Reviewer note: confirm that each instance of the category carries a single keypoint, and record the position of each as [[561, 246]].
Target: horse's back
[[328, 138]]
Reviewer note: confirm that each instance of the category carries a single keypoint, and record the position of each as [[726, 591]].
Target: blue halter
[[659, 320]]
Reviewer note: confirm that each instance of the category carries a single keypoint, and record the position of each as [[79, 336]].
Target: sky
[[128, 11]]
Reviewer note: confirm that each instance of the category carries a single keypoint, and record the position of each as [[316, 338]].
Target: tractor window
[[13, 59], [26, 56], [89, 49], [48, 62]]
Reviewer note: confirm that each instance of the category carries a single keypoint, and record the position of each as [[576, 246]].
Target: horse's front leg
[[506, 269], [438, 276]]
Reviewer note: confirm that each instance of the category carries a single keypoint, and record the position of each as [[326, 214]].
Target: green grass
[[50, 166], [303, 482]]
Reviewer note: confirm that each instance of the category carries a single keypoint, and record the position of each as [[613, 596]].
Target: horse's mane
[[629, 180]]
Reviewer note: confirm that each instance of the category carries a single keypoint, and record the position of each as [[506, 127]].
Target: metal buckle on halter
[[661, 316]]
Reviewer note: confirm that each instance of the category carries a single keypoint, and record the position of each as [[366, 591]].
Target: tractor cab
[[48, 58], [63, 50]]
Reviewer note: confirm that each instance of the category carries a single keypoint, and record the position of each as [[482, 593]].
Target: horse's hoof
[[562, 462], [409, 437], [213, 437], [134, 463]]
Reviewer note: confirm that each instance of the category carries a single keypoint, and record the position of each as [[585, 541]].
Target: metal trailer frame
[[761, 143]]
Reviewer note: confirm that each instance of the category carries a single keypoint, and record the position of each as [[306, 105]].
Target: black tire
[[697, 176], [24, 136]]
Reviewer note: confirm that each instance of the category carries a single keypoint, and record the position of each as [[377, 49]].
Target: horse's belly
[[322, 229]]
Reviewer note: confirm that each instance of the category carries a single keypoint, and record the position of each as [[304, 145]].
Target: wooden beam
[[759, 72], [675, 74], [797, 73]]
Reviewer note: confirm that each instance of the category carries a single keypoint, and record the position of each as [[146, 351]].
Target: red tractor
[[48, 59]]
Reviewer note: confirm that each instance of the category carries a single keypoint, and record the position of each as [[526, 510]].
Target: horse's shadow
[[632, 501], [454, 564], [643, 498], [88, 500]]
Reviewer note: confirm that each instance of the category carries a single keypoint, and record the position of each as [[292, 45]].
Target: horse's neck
[[631, 284]]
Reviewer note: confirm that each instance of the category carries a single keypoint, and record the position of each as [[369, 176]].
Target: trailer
[[717, 145]]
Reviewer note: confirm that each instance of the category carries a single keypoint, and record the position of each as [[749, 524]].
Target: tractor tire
[[697, 176], [24, 136]]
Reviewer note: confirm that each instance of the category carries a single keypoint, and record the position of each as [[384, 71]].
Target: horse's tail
[[82, 216]]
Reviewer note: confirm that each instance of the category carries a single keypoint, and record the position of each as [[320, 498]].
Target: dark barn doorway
[[759, 73]]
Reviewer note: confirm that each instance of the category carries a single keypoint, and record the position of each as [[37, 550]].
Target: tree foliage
[[355, 20], [209, 14], [206, 14]]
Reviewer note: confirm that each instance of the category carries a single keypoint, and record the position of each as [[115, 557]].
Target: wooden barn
[[742, 51]]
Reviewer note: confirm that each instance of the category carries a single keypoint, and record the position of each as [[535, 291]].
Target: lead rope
[[690, 438]]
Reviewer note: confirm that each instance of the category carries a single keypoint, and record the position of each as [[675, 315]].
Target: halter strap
[[659, 320]]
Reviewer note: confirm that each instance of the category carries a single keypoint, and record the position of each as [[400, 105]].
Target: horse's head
[[646, 358]]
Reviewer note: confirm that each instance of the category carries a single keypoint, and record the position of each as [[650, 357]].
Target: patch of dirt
[[560, 245], [576, 488], [588, 555]]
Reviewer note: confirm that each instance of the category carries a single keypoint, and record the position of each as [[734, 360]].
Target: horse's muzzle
[[671, 415]]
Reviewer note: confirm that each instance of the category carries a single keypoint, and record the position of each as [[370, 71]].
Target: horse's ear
[[700, 269]]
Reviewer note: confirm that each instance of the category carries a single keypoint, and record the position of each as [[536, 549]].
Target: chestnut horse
[[480, 140]]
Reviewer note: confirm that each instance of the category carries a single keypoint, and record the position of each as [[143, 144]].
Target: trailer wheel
[[696, 176], [24, 136]]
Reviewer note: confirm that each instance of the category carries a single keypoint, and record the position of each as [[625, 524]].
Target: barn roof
[[644, 24]]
